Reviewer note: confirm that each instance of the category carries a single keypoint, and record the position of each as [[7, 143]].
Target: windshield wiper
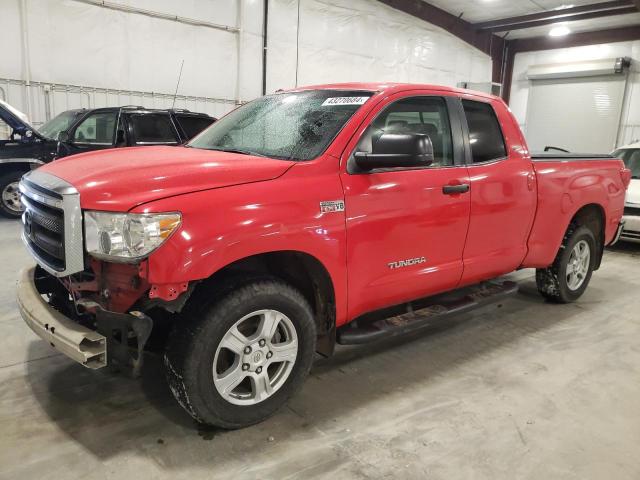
[[236, 150]]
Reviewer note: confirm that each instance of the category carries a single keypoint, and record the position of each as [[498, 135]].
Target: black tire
[[190, 353], [6, 180], [552, 281]]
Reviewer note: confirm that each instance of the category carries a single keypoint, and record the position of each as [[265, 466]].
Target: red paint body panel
[[503, 204], [399, 215], [225, 225], [514, 215], [118, 180], [564, 188]]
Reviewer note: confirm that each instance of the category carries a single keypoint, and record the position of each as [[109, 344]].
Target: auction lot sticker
[[344, 101]]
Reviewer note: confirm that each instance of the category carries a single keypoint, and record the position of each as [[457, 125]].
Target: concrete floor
[[522, 390]]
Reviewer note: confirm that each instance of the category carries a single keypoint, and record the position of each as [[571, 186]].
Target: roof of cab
[[390, 87]]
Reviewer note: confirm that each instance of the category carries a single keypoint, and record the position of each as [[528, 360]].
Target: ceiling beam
[[501, 51], [440, 18], [582, 12], [612, 35], [487, 42]]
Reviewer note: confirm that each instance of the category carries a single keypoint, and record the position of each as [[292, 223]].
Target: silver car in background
[[630, 155]]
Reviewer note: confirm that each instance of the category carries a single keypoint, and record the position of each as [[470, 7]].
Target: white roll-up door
[[578, 113]]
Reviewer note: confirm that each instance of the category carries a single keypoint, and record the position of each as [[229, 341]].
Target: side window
[[98, 128], [192, 125], [426, 115], [485, 135], [152, 128], [5, 130]]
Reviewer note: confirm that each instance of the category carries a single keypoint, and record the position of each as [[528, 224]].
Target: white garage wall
[[630, 119], [364, 40], [74, 42], [133, 58]]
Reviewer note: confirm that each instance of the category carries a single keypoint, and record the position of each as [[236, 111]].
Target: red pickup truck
[[321, 215]]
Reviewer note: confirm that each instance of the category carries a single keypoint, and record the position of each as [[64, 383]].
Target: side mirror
[[119, 137], [63, 136], [397, 150]]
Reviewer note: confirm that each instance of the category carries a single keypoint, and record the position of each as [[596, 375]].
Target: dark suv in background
[[83, 130]]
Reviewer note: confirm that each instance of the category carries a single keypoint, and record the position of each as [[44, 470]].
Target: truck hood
[[121, 179], [15, 119]]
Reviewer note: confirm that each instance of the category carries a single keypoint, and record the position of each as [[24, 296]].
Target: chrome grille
[[52, 223]]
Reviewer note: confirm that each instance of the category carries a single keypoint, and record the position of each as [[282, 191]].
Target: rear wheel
[[567, 279], [244, 357], [10, 202]]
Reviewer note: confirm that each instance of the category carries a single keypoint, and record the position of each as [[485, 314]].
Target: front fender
[[222, 226]]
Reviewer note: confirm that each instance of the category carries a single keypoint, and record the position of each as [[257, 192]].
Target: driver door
[[96, 131], [405, 230]]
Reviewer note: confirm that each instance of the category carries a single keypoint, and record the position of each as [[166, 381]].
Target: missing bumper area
[[123, 335]]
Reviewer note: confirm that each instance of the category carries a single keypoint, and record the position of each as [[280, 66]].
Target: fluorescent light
[[559, 31], [564, 6]]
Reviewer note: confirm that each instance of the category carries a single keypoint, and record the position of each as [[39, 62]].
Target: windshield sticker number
[[344, 101]]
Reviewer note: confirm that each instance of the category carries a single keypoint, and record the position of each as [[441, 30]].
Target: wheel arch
[[300, 269], [592, 216]]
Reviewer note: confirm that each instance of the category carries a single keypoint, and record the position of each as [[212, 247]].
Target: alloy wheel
[[255, 357]]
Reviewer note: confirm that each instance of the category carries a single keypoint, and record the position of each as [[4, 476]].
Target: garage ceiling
[[622, 14], [475, 11], [582, 25]]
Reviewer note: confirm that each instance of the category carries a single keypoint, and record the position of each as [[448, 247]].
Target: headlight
[[127, 236]]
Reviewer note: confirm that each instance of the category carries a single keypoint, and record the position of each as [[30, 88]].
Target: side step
[[365, 330]]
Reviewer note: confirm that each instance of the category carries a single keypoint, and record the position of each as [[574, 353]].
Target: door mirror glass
[[397, 150]]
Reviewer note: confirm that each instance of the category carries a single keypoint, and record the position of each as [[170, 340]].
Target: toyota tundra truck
[[335, 214]]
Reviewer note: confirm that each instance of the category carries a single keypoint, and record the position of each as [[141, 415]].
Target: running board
[[436, 308]]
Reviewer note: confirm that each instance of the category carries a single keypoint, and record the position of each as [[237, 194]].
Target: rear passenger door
[[155, 128], [503, 191]]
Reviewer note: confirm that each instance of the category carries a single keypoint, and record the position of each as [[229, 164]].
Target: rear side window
[[192, 125], [5, 130], [152, 128], [485, 135]]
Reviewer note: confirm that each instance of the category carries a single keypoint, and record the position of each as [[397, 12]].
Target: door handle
[[455, 189]]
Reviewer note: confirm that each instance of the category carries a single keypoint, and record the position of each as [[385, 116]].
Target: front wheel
[[10, 203], [567, 279], [245, 357]]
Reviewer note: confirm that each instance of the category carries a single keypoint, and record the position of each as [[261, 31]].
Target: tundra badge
[[332, 206], [406, 263]]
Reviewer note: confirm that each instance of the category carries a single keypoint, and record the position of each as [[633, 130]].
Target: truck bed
[[563, 157], [565, 183]]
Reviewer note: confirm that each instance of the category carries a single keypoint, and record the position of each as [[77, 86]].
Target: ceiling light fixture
[[559, 31], [564, 6]]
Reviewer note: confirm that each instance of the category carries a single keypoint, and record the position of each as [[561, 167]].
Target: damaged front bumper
[[122, 335], [85, 346]]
